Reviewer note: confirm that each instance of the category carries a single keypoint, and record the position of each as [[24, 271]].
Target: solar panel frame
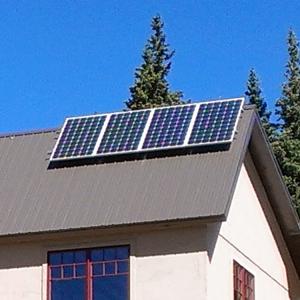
[[146, 128], [62, 131], [120, 133], [169, 146], [227, 141]]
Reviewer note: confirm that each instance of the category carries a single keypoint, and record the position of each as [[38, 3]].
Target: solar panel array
[[171, 127]]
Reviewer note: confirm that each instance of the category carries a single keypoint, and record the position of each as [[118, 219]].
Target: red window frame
[[89, 265], [243, 283]]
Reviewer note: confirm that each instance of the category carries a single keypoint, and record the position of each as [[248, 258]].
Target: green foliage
[[287, 144], [287, 152], [151, 88], [254, 95], [288, 106]]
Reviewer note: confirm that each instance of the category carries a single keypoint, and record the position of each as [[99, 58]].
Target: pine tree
[[151, 88], [287, 145], [288, 106], [254, 95]]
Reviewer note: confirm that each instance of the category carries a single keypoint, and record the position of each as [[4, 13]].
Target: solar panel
[[168, 126], [79, 137], [123, 132], [189, 125], [215, 122]]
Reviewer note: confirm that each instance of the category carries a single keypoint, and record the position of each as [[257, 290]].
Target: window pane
[[97, 255], [109, 268], [123, 266], [80, 270], [109, 253], [55, 272], [67, 289], [80, 256], [68, 271], [55, 258], [122, 252], [67, 257], [97, 269], [110, 288]]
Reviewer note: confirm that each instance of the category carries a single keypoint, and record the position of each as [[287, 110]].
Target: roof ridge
[[250, 106], [28, 132], [39, 131]]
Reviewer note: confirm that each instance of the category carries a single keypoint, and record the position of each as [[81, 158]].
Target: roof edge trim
[[200, 220], [28, 132], [272, 179], [243, 152]]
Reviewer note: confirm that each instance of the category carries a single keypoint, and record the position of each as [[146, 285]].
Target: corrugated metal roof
[[34, 198]]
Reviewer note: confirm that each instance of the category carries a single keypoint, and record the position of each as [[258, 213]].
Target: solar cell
[[168, 126], [215, 122], [79, 137], [123, 132]]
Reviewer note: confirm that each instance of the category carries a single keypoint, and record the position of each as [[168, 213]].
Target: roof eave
[[271, 176], [276, 190]]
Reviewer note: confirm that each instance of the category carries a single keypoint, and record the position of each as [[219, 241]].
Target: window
[[243, 283], [89, 274]]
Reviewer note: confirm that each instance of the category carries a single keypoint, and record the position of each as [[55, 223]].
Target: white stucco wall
[[20, 272], [170, 265], [164, 263], [247, 238]]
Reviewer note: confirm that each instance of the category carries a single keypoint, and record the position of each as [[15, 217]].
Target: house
[[209, 225]]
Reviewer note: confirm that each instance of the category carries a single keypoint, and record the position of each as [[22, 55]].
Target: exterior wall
[[171, 265], [164, 264], [20, 272], [246, 237]]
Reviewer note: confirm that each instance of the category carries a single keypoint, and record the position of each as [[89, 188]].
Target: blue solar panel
[[180, 126], [215, 122], [169, 126], [123, 132], [79, 137]]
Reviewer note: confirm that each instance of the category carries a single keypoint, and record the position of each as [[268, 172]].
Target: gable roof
[[35, 198]]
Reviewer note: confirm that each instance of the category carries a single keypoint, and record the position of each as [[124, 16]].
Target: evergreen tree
[[151, 88], [288, 106], [254, 95], [287, 144]]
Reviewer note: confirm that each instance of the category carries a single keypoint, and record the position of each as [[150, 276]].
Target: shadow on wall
[[145, 241], [213, 230], [20, 255], [171, 241]]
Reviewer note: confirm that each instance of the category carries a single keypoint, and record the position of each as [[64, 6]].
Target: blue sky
[[63, 58]]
